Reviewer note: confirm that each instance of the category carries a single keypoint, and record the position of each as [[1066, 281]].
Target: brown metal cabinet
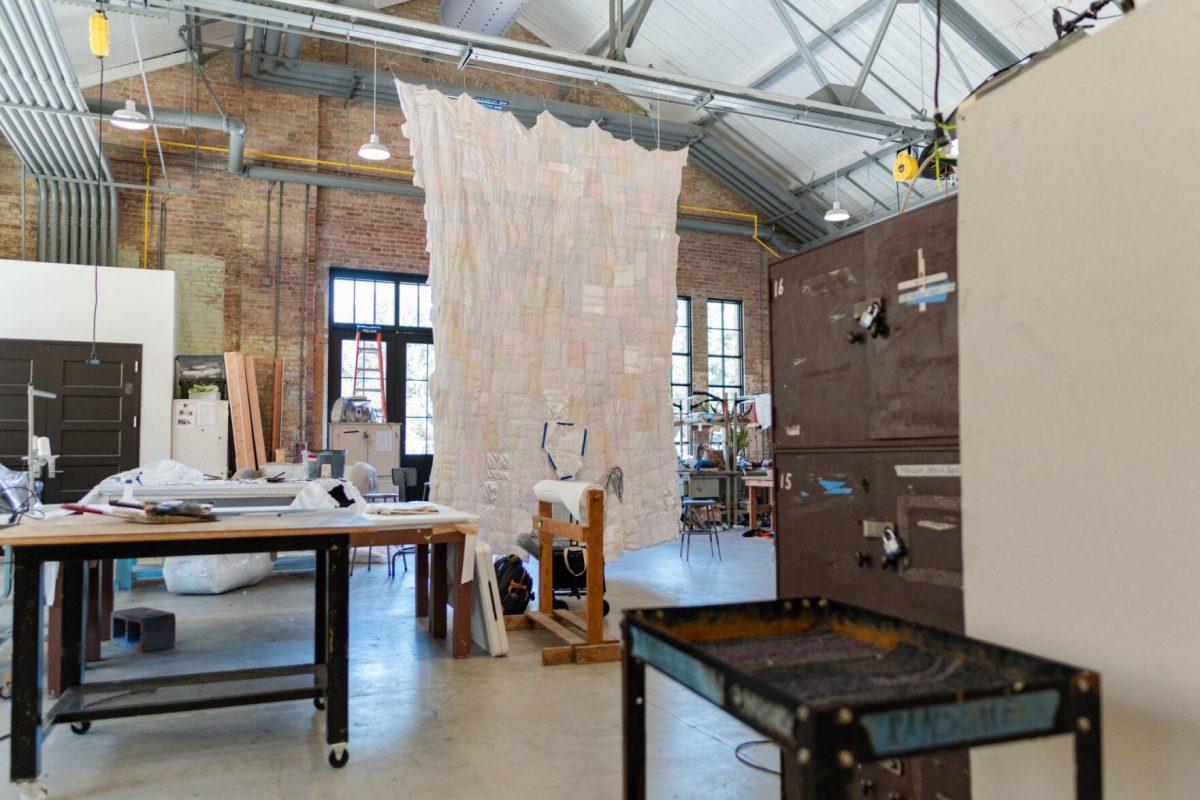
[[866, 438]]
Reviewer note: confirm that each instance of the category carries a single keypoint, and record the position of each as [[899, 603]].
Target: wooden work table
[[74, 540]]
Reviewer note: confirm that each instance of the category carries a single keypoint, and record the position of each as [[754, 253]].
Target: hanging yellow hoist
[[98, 36], [905, 168]]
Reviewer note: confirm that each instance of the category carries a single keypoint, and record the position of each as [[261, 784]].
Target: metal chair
[[696, 523], [404, 478]]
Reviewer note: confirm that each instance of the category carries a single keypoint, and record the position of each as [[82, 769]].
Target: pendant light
[[373, 149], [836, 213], [129, 118]]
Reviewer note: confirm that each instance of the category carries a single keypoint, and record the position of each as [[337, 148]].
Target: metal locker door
[[819, 376], [832, 517], [914, 368]]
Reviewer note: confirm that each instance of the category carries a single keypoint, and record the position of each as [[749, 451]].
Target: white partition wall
[[1079, 277], [53, 302]]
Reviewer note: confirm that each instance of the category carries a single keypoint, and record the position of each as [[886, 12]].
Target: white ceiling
[[726, 41]]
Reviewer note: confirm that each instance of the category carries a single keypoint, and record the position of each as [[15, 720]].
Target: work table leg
[[462, 604], [73, 577], [337, 694], [1089, 772], [438, 598], [321, 605], [25, 745], [422, 569]]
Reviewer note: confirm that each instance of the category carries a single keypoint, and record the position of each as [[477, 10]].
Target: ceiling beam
[[798, 40], [600, 44], [966, 25], [869, 59], [352, 24]]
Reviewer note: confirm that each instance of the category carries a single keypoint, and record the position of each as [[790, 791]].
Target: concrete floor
[[422, 725]]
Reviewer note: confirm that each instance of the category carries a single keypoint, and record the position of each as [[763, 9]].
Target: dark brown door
[[92, 424]]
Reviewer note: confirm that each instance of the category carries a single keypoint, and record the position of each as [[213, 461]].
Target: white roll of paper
[[568, 493]]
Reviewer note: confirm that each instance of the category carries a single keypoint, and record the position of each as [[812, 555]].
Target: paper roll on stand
[[570, 494]]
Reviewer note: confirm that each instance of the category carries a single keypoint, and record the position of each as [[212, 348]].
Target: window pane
[[714, 314], [731, 342], [418, 408], [679, 342], [343, 300], [415, 400], [385, 304], [731, 316], [409, 313], [733, 371], [715, 375], [424, 306], [715, 342], [364, 303], [680, 370], [683, 309]]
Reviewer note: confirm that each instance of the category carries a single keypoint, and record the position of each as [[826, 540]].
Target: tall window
[[725, 374], [681, 368], [397, 309]]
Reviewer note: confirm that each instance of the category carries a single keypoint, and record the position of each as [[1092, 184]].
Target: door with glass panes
[[396, 309]]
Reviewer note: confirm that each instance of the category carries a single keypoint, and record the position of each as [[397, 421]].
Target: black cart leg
[[1089, 772], [25, 747], [633, 683], [73, 576], [337, 714], [820, 779], [321, 623]]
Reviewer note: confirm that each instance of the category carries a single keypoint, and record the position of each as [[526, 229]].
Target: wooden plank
[[559, 528], [553, 656], [239, 416], [597, 653], [545, 573], [548, 623], [256, 423], [517, 622], [277, 408], [595, 566], [571, 618]]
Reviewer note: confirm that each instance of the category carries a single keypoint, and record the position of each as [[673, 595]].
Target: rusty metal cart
[[835, 686]]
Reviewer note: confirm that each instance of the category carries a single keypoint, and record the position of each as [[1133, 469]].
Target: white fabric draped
[[552, 263]]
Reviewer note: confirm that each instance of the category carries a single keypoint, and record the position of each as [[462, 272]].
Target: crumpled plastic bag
[[316, 495], [214, 574], [163, 472]]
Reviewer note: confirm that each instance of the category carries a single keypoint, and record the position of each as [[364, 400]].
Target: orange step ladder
[[364, 350]]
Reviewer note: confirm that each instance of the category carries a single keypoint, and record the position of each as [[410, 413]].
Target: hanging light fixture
[[129, 118], [373, 149], [836, 213]]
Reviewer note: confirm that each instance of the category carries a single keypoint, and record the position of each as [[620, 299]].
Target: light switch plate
[[873, 528]]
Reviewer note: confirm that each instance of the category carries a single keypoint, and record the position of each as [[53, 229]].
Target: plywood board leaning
[[239, 417], [256, 426]]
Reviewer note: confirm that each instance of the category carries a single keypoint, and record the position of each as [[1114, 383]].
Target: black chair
[[405, 478], [696, 522]]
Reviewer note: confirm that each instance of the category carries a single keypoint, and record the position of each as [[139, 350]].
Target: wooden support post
[[595, 566], [545, 560]]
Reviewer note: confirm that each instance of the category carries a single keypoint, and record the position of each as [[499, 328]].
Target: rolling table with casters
[[74, 540], [835, 686]]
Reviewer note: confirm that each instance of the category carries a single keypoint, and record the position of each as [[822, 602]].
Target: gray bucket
[[314, 460]]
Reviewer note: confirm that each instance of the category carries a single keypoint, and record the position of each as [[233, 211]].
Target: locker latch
[[869, 318]]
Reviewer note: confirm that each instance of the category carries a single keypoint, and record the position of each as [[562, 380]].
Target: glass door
[[398, 309]]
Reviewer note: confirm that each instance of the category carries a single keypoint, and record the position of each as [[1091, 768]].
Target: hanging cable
[[740, 756]]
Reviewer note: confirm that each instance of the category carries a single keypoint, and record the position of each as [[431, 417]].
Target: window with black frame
[[726, 377], [395, 311], [681, 369]]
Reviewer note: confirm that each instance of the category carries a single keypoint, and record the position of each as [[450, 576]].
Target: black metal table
[[835, 686], [324, 680]]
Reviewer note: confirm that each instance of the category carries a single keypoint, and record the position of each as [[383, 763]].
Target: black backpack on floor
[[515, 584]]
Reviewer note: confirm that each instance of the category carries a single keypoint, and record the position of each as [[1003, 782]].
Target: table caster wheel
[[80, 727], [607, 607], [335, 761], [319, 703]]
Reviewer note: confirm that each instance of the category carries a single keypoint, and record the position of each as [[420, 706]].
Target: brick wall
[[233, 296]]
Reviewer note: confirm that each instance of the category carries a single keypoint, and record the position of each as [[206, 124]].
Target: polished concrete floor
[[422, 725]]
